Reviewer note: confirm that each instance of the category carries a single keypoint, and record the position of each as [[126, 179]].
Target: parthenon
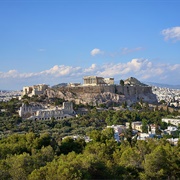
[[94, 81]]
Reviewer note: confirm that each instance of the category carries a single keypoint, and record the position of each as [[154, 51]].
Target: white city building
[[172, 121], [118, 129]]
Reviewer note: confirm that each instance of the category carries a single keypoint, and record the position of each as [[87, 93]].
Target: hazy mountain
[[59, 85], [163, 85]]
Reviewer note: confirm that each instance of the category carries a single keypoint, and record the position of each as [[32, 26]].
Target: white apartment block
[[137, 125], [118, 129], [175, 122]]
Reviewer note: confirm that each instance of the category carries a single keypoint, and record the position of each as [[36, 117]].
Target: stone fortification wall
[[133, 90], [88, 89], [118, 89]]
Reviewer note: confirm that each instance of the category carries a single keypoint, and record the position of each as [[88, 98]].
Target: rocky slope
[[96, 95]]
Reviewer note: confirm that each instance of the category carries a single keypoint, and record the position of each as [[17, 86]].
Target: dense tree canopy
[[37, 150]]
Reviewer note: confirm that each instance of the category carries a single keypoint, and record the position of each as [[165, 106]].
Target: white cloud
[[61, 71], [91, 69], [130, 50], [172, 33], [120, 52], [142, 69], [174, 67], [96, 51], [11, 73], [135, 64]]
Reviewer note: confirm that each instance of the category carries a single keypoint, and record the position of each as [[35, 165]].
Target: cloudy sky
[[55, 41]]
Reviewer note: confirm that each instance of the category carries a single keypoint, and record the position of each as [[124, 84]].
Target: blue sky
[[43, 41]]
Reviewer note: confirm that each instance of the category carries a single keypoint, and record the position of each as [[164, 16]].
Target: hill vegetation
[[37, 150]]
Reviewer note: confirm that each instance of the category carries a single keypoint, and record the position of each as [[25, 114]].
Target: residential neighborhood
[[8, 95], [167, 95]]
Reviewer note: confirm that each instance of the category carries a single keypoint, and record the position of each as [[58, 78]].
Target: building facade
[[74, 84], [137, 125], [118, 130], [38, 112], [97, 81], [34, 90], [175, 122]]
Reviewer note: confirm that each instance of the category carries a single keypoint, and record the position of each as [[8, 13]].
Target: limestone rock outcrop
[[96, 95], [133, 81]]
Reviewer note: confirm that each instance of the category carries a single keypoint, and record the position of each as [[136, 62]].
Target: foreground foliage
[[35, 150], [40, 157]]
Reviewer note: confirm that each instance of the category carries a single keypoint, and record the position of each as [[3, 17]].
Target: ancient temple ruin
[[39, 112], [97, 81], [34, 90]]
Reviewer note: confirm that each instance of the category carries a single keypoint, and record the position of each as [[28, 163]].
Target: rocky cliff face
[[95, 95]]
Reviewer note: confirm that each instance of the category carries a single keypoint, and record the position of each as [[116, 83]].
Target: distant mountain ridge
[[60, 85], [163, 85]]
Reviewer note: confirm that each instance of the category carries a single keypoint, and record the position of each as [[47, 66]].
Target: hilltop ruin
[[98, 90]]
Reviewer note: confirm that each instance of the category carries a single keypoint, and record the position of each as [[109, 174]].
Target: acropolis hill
[[98, 90]]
